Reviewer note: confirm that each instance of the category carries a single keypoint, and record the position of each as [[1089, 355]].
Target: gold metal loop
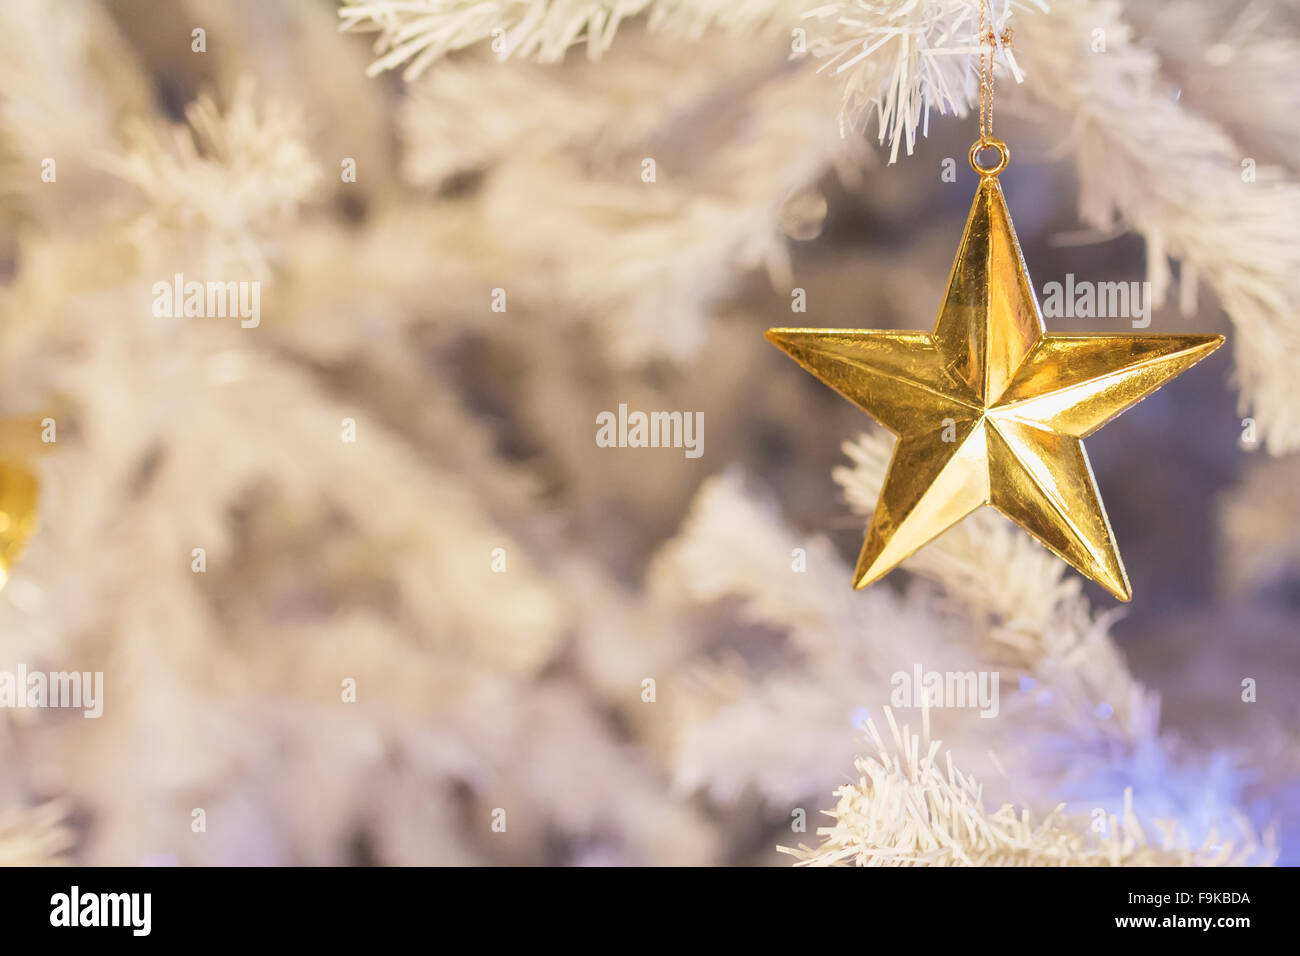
[[1004, 156]]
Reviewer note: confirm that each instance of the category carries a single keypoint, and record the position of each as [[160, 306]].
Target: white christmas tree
[[358, 577]]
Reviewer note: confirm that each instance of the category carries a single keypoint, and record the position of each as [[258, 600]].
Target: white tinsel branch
[[35, 836], [895, 60], [899, 61], [417, 33], [912, 807], [229, 175]]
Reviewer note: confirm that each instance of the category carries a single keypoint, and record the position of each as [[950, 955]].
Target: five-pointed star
[[989, 409]]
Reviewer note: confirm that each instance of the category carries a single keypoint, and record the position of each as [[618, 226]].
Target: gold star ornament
[[988, 408]]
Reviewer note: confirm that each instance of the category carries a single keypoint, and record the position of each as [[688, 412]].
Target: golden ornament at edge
[[19, 496]]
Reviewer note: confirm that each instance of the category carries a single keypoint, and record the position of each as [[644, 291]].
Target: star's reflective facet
[[990, 409]]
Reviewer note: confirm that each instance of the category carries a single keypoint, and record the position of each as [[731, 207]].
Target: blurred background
[[432, 621]]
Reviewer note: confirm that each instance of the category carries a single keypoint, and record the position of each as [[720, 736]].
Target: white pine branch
[[912, 806], [898, 61], [227, 179], [35, 836], [647, 262], [1223, 55], [414, 34]]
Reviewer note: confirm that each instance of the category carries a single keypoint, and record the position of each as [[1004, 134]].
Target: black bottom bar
[[485, 906]]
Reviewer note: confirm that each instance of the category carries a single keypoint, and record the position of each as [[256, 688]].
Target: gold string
[[986, 79], [987, 140], [987, 36]]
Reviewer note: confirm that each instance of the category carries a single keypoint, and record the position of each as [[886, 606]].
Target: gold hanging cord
[[987, 140]]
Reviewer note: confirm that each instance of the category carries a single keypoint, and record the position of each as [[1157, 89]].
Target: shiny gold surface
[[19, 494], [989, 409]]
